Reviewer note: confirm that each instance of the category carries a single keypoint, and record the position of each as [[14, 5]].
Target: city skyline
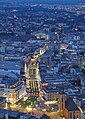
[[42, 59]]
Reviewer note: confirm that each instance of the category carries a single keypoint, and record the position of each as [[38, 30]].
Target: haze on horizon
[[48, 1]]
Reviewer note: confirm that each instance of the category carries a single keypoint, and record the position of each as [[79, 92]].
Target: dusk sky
[[49, 1]]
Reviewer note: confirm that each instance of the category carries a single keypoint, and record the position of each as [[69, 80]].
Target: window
[[62, 106], [34, 71], [74, 113], [70, 115], [62, 99]]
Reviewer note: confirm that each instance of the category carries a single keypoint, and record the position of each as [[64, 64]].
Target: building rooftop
[[70, 105], [44, 116], [15, 114], [9, 79], [12, 80], [10, 65]]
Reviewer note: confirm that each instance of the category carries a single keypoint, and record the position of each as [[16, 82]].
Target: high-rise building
[[32, 80]]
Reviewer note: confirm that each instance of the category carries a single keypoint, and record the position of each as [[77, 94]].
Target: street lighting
[[6, 102]]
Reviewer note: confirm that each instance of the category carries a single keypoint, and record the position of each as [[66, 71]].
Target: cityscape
[[42, 59]]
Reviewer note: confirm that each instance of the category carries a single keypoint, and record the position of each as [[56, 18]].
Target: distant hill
[[48, 1]]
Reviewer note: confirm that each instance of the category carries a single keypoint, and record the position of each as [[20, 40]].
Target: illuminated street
[[53, 115], [42, 59]]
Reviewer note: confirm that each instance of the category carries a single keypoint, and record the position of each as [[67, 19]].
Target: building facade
[[68, 108], [32, 79], [12, 88]]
